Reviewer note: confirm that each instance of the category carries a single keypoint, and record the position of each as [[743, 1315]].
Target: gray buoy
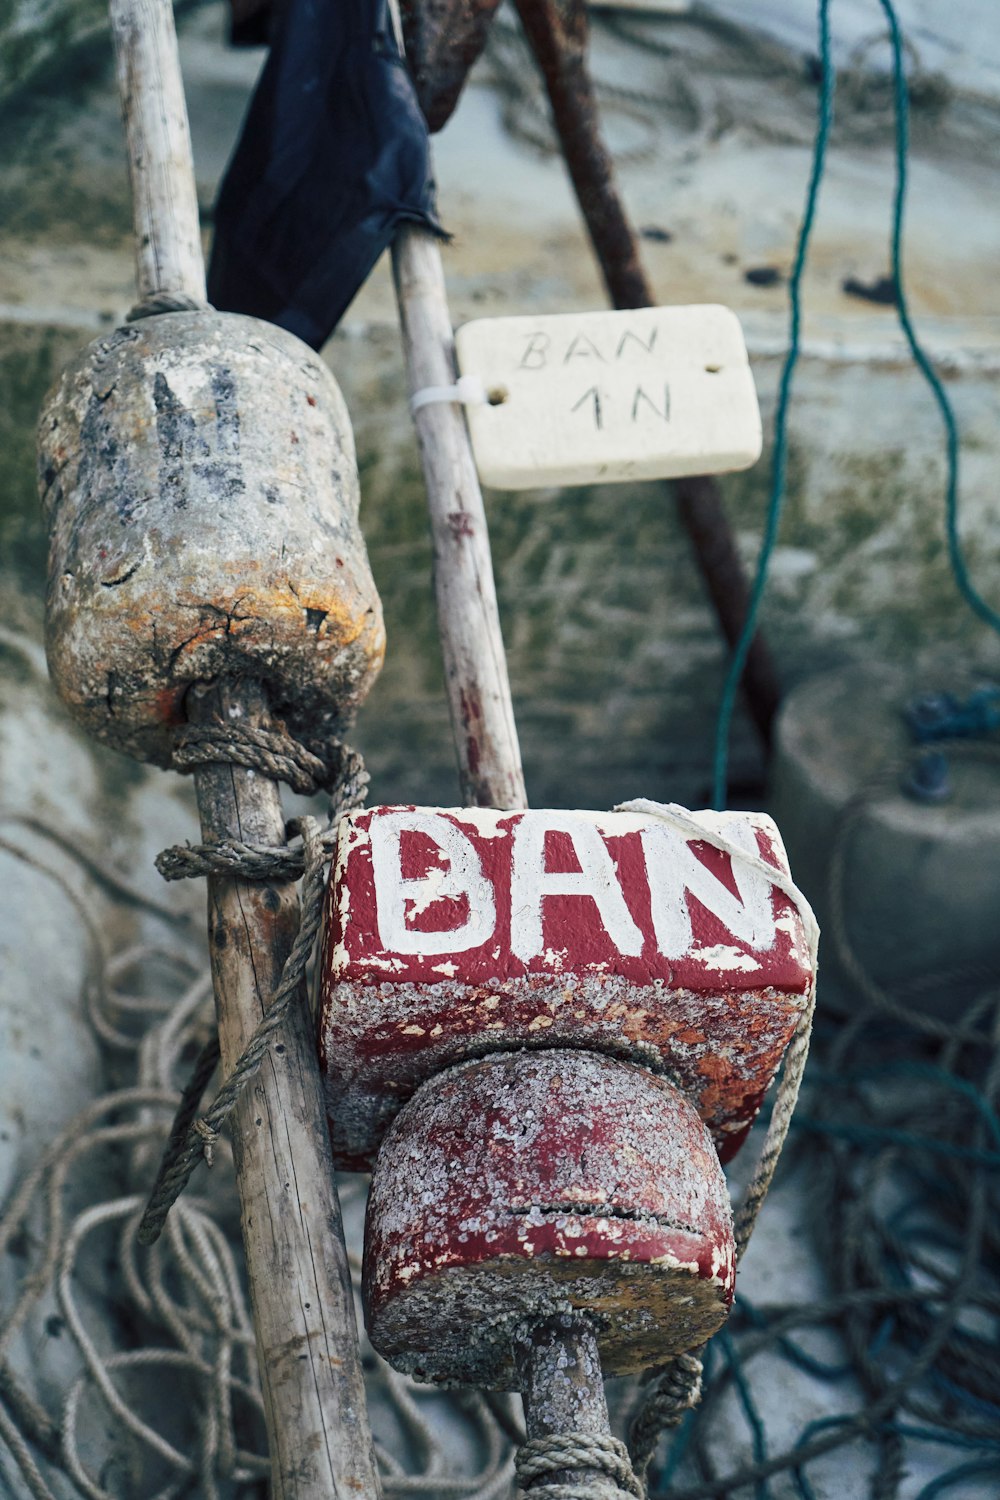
[[921, 879]]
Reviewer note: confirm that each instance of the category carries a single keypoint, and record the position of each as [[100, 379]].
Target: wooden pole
[[482, 717], [482, 714], [300, 1284], [557, 32], [559, 1370], [168, 254], [300, 1279]]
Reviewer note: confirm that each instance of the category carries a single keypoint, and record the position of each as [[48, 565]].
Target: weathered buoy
[[549, 1026], [454, 933], [526, 1185], [199, 478], [918, 880]]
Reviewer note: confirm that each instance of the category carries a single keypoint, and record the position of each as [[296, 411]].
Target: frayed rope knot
[[275, 754], [566, 1451], [671, 1392], [208, 1137]]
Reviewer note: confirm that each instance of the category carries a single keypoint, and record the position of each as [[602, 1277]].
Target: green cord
[[738, 661], [956, 555]]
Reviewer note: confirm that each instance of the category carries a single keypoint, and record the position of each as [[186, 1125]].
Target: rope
[[824, 121], [903, 1147], [674, 1390], [272, 752], [956, 555], [165, 302], [798, 1050], [568, 1451], [192, 1139], [270, 861], [154, 1391], [277, 755]]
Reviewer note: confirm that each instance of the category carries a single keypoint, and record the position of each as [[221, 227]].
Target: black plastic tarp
[[333, 156]]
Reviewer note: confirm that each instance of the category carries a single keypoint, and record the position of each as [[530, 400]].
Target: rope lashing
[[275, 754], [677, 1388], [956, 554], [562, 1452], [670, 1394]]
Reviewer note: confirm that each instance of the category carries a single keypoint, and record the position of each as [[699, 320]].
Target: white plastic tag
[[594, 398]]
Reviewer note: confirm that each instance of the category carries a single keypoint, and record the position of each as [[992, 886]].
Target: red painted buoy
[[450, 933], [531, 1184]]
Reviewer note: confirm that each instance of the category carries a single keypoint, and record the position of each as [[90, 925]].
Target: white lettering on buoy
[[673, 871], [463, 876], [531, 883]]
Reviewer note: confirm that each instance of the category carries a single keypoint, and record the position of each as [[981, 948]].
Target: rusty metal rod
[[557, 31]]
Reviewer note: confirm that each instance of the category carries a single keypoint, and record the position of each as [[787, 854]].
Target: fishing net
[[876, 1373], [160, 1394]]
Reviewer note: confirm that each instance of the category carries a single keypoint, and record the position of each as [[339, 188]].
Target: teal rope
[[824, 121], [955, 553]]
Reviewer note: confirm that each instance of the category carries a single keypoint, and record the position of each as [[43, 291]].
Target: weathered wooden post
[[482, 714], [209, 587]]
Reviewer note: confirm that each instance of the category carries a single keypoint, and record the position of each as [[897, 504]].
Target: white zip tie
[[468, 390]]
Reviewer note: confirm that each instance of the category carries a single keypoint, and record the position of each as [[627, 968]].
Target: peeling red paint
[[568, 1179], [460, 524], [716, 1016]]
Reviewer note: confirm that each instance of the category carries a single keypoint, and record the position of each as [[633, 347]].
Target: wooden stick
[[557, 31], [168, 254], [482, 717], [482, 714], [300, 1284], [300, 1279]]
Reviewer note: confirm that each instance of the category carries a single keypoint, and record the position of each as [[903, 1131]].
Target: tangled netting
[[156, 1394], [705, 75], [893, 1166], [878, 1372]]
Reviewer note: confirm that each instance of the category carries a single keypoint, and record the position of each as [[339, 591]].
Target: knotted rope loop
[[274, 861], [193, 1139], [670, 1394], [577, 1450], [273, 752], [165, 302]]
